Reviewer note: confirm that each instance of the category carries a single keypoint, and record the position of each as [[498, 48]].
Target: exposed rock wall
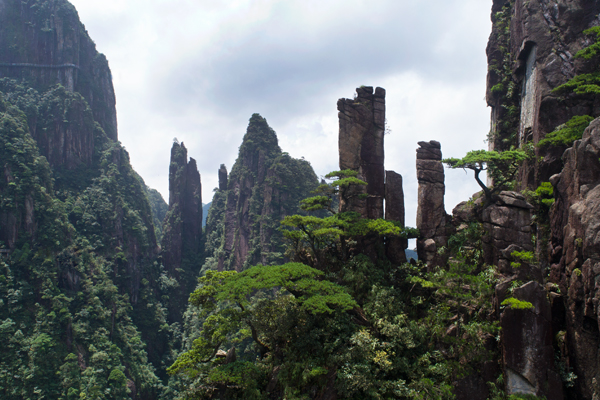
[[183, 223], [575, 256], [507, 224], [362, 126], [49, 33], [264, 186], [530, 52], [223, 177], [527, 352], [394, 211], [432, 220]]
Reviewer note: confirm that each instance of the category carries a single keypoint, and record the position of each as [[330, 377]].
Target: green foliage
[[524, 256], [566, 134], [516, 304], [585, 83], [342, 320], [500, 166], [505, 92], [78, 323]]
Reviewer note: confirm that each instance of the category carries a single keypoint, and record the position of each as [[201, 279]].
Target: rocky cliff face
[[264, 186], [183, 221], [182, 245], [362, 125], [44, 43], [361, 140], [432, 220], [531, 52], [575, 256]]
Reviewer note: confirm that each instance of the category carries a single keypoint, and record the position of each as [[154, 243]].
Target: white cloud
[[197, 70]]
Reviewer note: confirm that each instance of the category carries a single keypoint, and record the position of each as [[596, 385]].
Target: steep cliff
[[79, 250], [182, 244], [534, 53], [44, 43], [264, 186]]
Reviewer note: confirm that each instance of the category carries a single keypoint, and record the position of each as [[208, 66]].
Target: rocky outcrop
[[223, 177], [575, 256], [183, 223], [264, 186], [507, 226], [394, 211], [530, 52], [44, 43], [362, 126], [527, 352], [432, 221]]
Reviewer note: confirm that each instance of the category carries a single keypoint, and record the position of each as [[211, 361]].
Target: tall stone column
[[223, 177], [362, 125], [431, 214], [394, 211]]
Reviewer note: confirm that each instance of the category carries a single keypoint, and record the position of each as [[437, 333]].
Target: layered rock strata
[[432, 220], [44, 43], [361, 140], [575, 256], [394, 211], [362, 126], [530, 52]]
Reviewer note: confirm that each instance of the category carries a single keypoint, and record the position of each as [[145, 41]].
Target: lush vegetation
[[501, 167], [80, 289], [585, 83], [335, 320]]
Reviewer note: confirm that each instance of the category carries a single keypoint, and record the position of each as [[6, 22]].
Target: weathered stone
[[527, 343], [183, 225], [432, 221], [505, 226], [575, 238], [61, 40], [394, 211], [362, 125], [514, 199], [260, 191], [223, 177]]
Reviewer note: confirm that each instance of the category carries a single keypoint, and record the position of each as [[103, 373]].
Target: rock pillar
[[362, 125], [223, 177], [394, 211], [183, 223], [432, 219]]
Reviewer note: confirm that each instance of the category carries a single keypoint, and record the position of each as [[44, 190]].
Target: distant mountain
[[205, 208]]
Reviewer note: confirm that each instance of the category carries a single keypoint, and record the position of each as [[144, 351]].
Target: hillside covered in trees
[[298, 287]]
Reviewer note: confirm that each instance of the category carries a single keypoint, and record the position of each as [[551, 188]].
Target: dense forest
[[292, 286]]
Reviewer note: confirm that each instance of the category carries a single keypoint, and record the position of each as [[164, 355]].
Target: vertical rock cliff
[[183, 221], [432, 220], [76, 225], [361, 149], [43, 42], [182, 244], [362, 125], [532, 53], [263, 187]]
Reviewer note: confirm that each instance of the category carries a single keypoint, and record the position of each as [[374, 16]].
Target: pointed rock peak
[[178, 153], [259, 135], [223, 177]]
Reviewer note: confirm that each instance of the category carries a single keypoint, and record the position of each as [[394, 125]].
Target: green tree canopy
[[500, 166]]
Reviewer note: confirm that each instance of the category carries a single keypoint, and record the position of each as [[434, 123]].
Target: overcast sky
[[196, 70]]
